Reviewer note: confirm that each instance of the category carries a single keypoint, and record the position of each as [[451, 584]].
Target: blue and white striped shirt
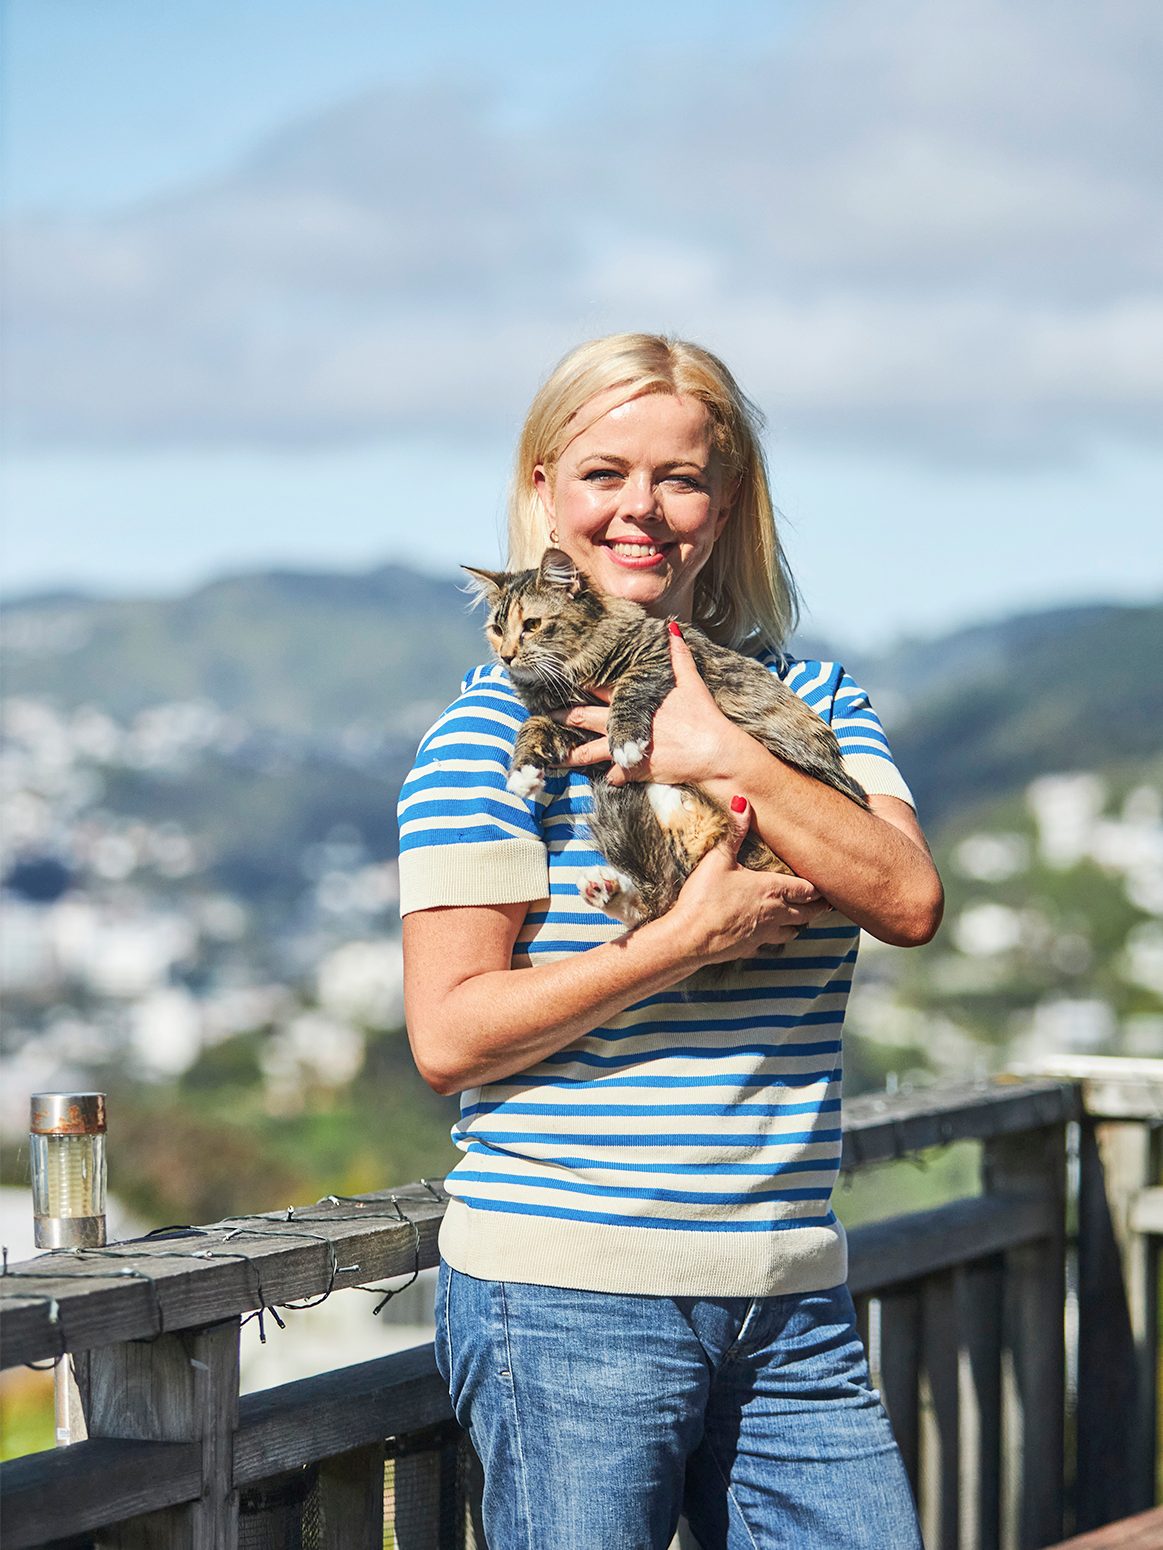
[[687, 1146]]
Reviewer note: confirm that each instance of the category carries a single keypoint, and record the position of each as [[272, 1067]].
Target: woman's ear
[[543, 485]]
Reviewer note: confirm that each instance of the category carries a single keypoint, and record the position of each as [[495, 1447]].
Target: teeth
[[635, 551]]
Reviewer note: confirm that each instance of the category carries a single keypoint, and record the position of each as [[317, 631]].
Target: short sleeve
[[465, 838], [867, 755], [842, 703]]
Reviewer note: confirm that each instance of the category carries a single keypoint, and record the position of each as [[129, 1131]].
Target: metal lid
[[67, 1114]]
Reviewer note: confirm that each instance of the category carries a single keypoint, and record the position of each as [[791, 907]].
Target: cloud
[[928, 227]]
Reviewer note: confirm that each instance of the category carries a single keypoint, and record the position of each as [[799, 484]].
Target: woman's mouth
[[637, 554]]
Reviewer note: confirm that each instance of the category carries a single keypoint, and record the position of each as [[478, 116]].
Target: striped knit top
[[687, 1146]]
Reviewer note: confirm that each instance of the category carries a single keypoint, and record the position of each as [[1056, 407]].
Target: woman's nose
[[639, 498]]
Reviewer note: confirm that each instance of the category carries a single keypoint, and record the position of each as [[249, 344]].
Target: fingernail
[[675, 628], [738, 804]]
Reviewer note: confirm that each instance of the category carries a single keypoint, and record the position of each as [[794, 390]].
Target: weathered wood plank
[[899, 1375], [1118, 1324], [882, 1126], [280, 1429], [1112, 1086], [905, 1248], [351, 1499], [1033, 1340], [156, 1285], [939, 1483], [68, 1491], [336, 1412], [978, 1290], [179, 1388], [1146, 1212]]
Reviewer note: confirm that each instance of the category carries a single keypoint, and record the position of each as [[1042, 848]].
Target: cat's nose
[[506, 656]]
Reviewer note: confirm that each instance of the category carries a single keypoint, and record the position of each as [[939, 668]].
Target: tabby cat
[[558, 637]]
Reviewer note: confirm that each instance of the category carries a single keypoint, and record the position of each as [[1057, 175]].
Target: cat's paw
[[526, 781], [629, 753], [605, 888]]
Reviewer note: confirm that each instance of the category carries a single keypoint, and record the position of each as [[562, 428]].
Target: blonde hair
[[744, 595]]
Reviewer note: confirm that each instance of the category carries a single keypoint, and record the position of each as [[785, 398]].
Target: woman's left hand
[[691, 741]]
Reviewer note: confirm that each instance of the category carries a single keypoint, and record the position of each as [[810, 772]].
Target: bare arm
[[472, 1018], [874, 866]]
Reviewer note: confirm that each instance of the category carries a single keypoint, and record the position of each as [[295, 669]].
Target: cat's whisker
[[553, 676]]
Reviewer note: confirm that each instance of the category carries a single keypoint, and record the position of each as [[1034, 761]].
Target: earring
[[552, 535]]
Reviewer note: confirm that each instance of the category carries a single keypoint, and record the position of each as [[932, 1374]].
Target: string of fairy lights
[[232, 1228]]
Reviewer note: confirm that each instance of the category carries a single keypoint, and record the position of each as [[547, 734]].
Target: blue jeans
[[599, 1417]]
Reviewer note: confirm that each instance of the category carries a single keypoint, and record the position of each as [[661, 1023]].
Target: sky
[[279, 279]]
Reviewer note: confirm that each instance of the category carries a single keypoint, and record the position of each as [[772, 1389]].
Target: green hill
[[286, 650], [991, 708]]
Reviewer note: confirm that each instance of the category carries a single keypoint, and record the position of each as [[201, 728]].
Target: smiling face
[[638, 498]]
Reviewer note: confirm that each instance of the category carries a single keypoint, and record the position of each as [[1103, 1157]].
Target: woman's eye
[[685, 482], [601, 475]]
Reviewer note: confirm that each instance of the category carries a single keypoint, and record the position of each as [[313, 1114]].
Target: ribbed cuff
[[878, 776], [492, 872]]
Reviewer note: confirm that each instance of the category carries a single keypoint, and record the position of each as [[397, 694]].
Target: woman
[[641, 1304]]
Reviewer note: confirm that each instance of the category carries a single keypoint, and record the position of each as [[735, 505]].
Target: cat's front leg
[[636, 697], [541, 745]]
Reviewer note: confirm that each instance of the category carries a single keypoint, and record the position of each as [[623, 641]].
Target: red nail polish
[[738, 804], [675, 628]]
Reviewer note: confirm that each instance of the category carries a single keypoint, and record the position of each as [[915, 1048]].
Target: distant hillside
[[290, 651], [979, 713], [973, 715]]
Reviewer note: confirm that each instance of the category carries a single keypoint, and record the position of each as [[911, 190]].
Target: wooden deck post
[[979, 1290], [1118, 1326], [938, 1485], [351, 1498], [1032, 1163], [178, 1388]]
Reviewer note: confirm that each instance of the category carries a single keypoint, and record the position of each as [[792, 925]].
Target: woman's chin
[[655, 591]]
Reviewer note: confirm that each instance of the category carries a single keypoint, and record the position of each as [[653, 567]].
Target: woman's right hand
[[727, 911]]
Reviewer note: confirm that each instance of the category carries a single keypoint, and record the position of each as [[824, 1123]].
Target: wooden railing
[[1014, 1335]]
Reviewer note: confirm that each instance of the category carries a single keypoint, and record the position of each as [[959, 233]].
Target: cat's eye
[[530, 624]]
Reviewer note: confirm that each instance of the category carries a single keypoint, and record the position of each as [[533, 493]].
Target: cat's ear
[[486, 584], [558, 570]]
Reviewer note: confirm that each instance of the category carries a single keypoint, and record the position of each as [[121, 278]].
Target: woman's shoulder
[[810, 677], [489, 678], [486, 686], [487, 704], [825, 685]]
